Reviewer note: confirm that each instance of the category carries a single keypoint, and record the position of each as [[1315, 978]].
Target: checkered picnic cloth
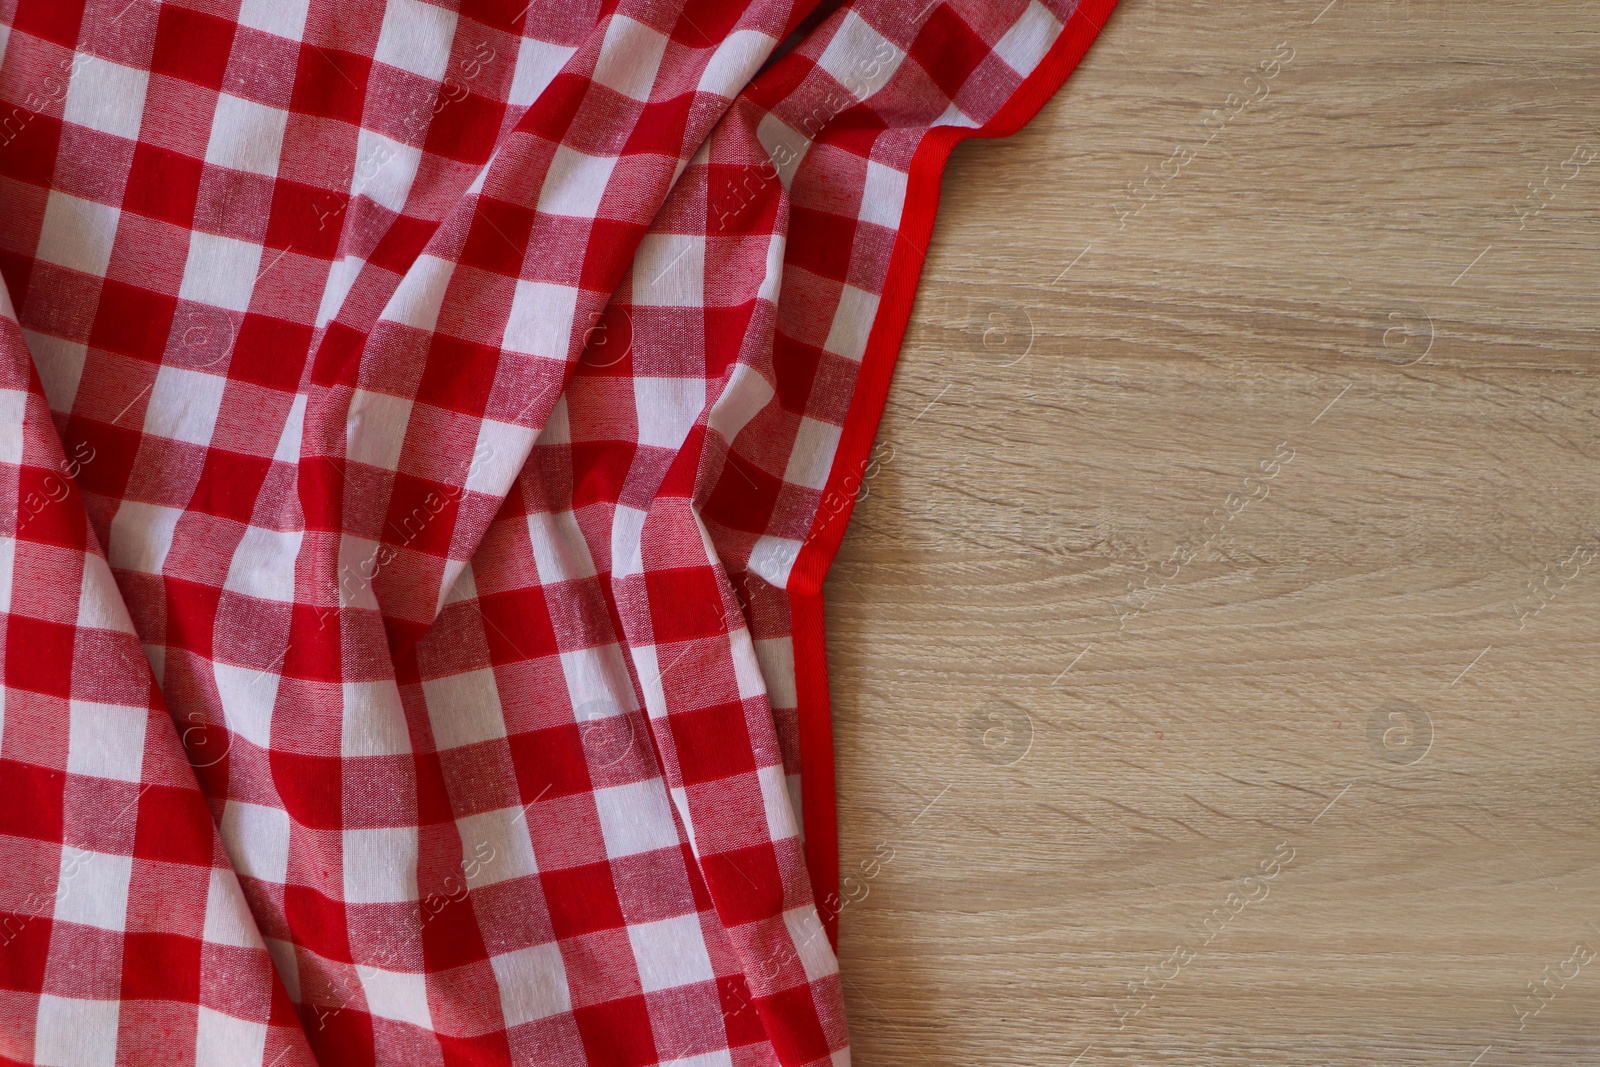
[[424, 428]]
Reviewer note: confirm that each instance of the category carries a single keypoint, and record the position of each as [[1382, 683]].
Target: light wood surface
[[1088, 679]]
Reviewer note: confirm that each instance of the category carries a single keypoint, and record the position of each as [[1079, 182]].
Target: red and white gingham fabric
[[423, 431]]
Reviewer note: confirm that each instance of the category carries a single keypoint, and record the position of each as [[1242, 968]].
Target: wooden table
[[1215, 653]]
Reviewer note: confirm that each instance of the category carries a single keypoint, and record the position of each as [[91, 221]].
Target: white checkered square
[[630, 57], [669, 271], [860, 58], [538, 62], [464, 589], [666, 408], [785, 145], [358, 564], [746, 667], [141, 536], [13, 404], [92, 888], [224, 1041], [745, 394], [107, 96], [374, 720], [375, 429], [575, 183], [380, 866], [257, 839], [287, 963], [246, 136], [627, 552], [288, 450], [220, 271], [852, 323], [464, 708], [341, 277], [816, 954], [647, 667], [100, 605], [417, 298], [591, 675], [8, 574], [560, 553], [416, 36], [540, 323], [954, 116], [69, 1032], [248, 696], [501, 451], [106, 740], [723, 1058], [772, 557], [814, 448], [680, 804], [228, 919], [385, 169], [776, 655], [60, 364], [781, 822], [884, 196], [285, 18], [736, 59], [1024, 45], [78, 233], [184, 404], [263, 565], [496, 847], [396, 995], [670, 952], [533, 984], [635, 818]]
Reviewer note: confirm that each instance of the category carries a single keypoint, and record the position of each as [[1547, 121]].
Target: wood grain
[[1255, 512]]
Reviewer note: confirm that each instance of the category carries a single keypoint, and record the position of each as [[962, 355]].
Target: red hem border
[[817, 779]]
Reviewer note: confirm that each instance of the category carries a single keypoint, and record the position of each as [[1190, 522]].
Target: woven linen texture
[[410, 417]]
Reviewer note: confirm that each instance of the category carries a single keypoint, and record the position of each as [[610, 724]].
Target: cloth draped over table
[[424, 428]]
